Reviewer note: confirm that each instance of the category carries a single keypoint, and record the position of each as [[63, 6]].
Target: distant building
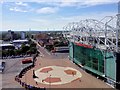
[[18, 43], [119, 7], [23, 35], [11, 35], [1, 41], [42, 38], [6, 46]]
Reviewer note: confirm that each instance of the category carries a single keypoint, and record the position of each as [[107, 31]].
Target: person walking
[[36, 83]]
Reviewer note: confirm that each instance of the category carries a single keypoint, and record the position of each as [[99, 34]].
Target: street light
[[49, 82]]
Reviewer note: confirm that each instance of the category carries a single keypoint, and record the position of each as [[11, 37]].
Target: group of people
[[13, 56], [28, 87], [29, 67], [25, 70]]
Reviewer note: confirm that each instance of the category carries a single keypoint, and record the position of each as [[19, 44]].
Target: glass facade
[[99, 62], [91, 59]]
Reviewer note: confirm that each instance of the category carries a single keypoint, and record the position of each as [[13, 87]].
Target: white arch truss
[[103, 34]]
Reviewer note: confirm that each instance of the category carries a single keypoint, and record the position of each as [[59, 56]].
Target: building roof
[[41, 36], [6, 45], [25, 40]]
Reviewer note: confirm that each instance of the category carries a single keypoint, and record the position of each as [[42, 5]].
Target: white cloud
[[60, 21], [84, 3], [56, 23], [1, 1], [21, 4], [66, 3], [20, 7], [95, 15], [47, 10], [98, 2], [16, 9], [77, 3]]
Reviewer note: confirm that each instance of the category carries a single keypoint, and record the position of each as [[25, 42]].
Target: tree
[[11, 52], [0, 53], [49, 47], [33, 44], [32, 50], [18, 52], [24, 48], [4, 53]]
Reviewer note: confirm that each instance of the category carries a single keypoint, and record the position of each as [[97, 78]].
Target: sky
[[41, 15]]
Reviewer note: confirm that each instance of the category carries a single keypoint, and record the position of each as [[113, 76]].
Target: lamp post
[[49, 81], [25, 79]]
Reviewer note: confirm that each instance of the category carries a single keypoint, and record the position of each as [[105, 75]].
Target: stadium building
[[95, 46]]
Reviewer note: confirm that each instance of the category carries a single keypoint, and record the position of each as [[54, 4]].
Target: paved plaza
[[53, 70], [85, 80]]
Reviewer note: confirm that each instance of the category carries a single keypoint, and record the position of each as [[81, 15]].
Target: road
[[13, 68], [47, 54]]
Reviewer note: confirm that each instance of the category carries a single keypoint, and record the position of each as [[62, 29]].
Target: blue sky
[[52, 15]]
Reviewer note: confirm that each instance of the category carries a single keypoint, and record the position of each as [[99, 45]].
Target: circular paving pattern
[[55, 75]]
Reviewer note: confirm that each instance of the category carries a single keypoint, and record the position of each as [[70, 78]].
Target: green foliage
[[0, 53], [32, 44], [49, 47], [58, 44], [24, 49], [18, 52], [4, 53], [11, 52], [32, 50]]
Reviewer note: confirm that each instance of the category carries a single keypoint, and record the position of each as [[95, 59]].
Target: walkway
[[85, 82]]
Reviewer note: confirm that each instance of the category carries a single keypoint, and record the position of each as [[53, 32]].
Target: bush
[[18, 52], [11, 52], [24, 49], [4, 53], [32, 50], [58, 44], [49, 47], [32, 44]]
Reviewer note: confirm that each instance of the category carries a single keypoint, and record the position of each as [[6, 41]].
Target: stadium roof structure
[[104, 33]]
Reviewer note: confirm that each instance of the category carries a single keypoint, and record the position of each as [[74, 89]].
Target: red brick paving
[[70, 72], [46, 70], [87, 80], [52, 79]]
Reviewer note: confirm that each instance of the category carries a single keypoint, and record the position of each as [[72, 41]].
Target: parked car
[[27, 60], [2, 66]]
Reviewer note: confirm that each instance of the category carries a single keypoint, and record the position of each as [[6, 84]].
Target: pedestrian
[[73, 73], [33, 72], [80, 80], [36, 83], [43, 80]]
